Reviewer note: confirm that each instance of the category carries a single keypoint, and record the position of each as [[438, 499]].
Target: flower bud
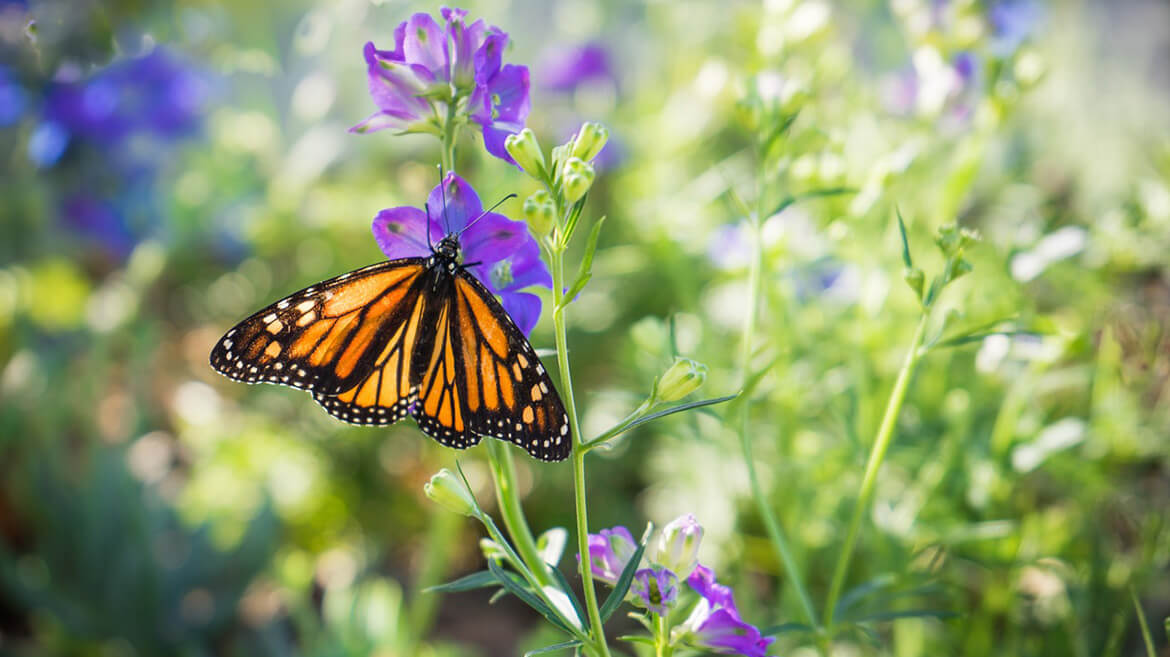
[[448, 490], [578, 178], [589, 141], [680, 380], [525, 150], [677, 547], [540, 213]]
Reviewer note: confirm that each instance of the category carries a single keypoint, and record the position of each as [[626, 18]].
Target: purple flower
[[433, 67], [715, 623], [156, 95], [566, 69], [12, 98], [655, 588], [609, 552], [1013, 22], [507, 258], [101, 221]]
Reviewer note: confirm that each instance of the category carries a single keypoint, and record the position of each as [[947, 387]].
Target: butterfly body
[[416, 336]]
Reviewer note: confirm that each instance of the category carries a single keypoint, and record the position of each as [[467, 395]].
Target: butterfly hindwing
[[482, 377], [328, 336]]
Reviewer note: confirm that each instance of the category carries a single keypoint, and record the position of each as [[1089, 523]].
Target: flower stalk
[[877, 454], [504, 475]]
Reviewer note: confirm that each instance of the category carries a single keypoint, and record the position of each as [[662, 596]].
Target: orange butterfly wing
[[328, 336]]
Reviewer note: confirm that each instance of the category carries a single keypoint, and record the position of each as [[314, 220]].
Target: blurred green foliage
[[148, 506]]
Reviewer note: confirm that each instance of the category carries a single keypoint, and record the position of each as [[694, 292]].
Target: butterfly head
[[448, 250]]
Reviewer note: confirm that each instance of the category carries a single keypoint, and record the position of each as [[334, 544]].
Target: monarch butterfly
[[418, 336]]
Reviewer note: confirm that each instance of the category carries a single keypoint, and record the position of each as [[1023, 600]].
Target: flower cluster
[[439, 76], [714, 622]]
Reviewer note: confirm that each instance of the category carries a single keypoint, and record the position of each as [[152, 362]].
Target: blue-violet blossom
[[507, 257], [434, 70], [715, 624], [609, 552], [655, 588]]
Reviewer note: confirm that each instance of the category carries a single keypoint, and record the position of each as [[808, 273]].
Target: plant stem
[[877, 454], [578, 455], [444, 526], [662, 647], [504, 475], [771, 524], [450, 130]]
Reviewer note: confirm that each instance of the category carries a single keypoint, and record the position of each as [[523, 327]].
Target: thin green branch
[[504, 474], [877, 454]]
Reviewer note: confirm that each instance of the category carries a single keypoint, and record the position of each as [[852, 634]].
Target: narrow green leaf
[[860, 591], [905, 243], [497, 595], [961, 340], [1141, 616], [529, 598], [574, 217], [778, 131], [553, 648], [623, 584], [482, 579], [654, 416], [636, 638], [785, 627], [585, 273], [816, 193], [564, 584], [907, 613]]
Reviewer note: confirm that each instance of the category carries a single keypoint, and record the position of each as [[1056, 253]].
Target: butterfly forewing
[[328, 336]]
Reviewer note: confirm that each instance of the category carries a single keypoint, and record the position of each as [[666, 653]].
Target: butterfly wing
[[327, 337], [480, 376]]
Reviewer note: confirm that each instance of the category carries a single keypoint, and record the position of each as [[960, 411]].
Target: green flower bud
[[680, 380], [448, 490], [524, 148], [540, 212], [915, 279], [677, 547], [578, 178], [589, 141]]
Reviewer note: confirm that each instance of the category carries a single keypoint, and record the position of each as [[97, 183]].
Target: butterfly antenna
[[443, 194], [427, 210], [485, 212]]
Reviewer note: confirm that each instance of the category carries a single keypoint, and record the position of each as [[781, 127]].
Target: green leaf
[[961, 340], [860, 591], [564, 584], [636, 638], [529, 598], [907, 613], [482, 579], [574, 217], [623, 584], [816, 193], [554, 647], [586, 271], [785, 627], [777, 132], [654, 416], [905, 244]]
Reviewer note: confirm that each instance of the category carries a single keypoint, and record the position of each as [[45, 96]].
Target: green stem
[[444, 526], [662, 647], [771, 524], [504, 475], [877, 454], [620, 426], [450, 130], [578, 456]]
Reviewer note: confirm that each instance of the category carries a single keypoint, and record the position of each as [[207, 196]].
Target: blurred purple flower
[[507, 256], [47, 143], [655, 588], [1012, 23], [12, 98], [609, 552], [566, 69], [157, 95], [98, 220], [434, 67], [715, 623]]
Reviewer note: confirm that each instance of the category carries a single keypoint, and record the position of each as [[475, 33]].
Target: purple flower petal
[[715, 623], [460, 206], [510, 89], [493, 238], [489, 55], [465, 43], [524, 308], [655, 589], [565, 69], [609, 551], [402, 232], [425, 44]]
